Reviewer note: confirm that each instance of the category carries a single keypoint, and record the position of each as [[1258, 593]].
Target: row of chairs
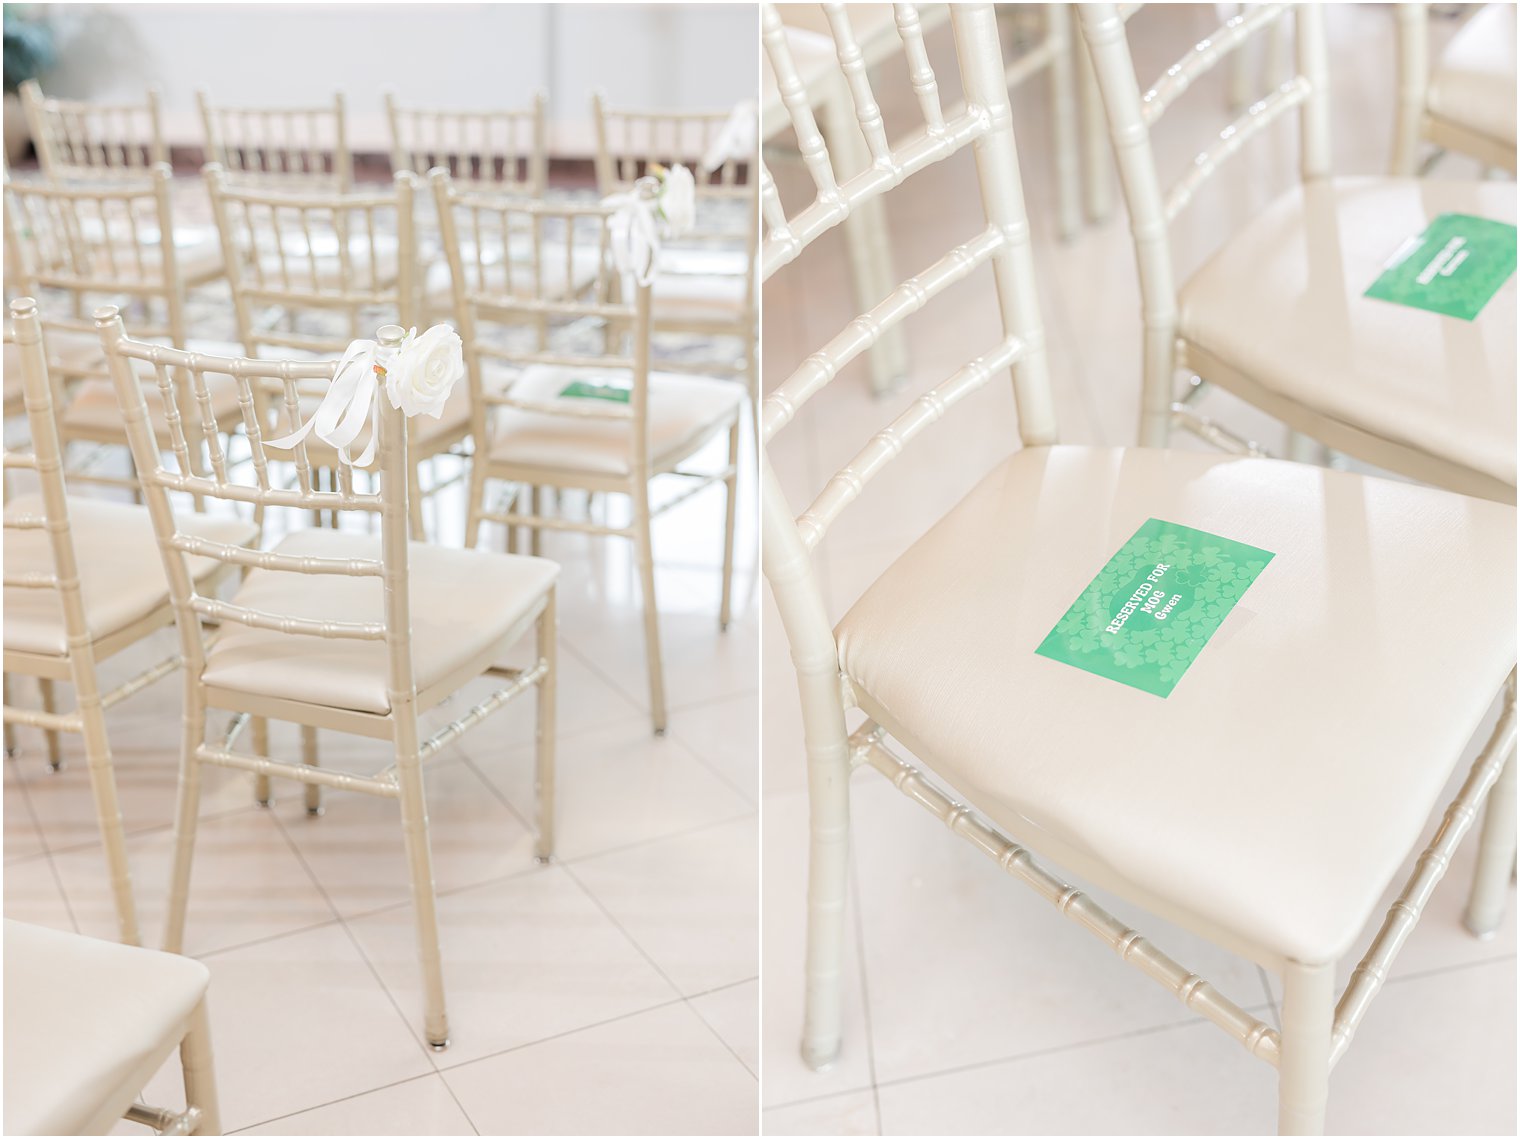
[[1267, 802]]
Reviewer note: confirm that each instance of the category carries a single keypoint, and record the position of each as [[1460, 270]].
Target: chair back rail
[[631, 141], [518, 283], [1133, 114], [490, 149], [87, 141], [251, 483], [289, 253], [298, 147]]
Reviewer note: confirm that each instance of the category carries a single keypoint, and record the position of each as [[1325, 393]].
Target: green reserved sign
[[1150, 611], [1454, 268], [582, 389]]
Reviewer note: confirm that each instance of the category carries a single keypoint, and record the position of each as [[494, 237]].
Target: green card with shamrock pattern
[[1454, 267], [1151, 610]]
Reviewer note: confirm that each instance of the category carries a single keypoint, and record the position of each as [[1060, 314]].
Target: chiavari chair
[[588, 414], [1267, 801], [300, 148], [706, 286], [88, 1023], [306, 267], [323, 631], [81, 141], [109, 242], [1278, 316], [1467, 104], [83, 582]]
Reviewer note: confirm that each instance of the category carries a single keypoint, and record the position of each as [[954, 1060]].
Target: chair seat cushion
[[463, 603], [69, 353], [1282, 303], [1474, 84], [95, 413], [1275, 791], [684, 412], [121, 572], [114, 1011], [696, 297]]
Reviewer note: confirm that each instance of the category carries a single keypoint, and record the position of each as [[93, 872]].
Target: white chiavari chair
[[706, 284], [88, 1023], [623, 428], [302, 148], [81, 141], [1269, 799], [323, 631], [1278, 316], [307, 267], [107, 243], [83, 582], [1467, 103]]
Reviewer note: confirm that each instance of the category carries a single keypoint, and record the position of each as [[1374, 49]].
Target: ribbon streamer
[[350, 402], [634, 235], [738, 138]]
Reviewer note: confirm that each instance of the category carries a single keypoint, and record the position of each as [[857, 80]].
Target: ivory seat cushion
[[699, 297], [1474, 83], [463, 602], [87, 1023], [121, 572], [1275, 792], [94, 410], [69, 353], [684, 412], [1282, 304]]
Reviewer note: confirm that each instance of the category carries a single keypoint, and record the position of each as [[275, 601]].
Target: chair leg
[[540, 510], [263, 794], [200, 1072], [50, 705], [310, 759], [477, 501], [97, 752], [1063, 120], [10, 730], [546, 726], [828, 876], [1303, 1076], [186, 816], [644, 552], [419, 856], [731, 487], [1496, 855]]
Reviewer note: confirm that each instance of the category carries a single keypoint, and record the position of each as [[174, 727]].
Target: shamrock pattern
[[1199, 576]]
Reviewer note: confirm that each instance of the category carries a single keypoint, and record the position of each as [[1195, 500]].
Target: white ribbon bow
[[350, 402], [633, 233], [738, 139]]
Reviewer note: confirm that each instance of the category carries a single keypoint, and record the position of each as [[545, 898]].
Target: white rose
[[424, 370], [678, 200]]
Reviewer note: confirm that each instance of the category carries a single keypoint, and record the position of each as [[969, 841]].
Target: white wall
[[468, 55]]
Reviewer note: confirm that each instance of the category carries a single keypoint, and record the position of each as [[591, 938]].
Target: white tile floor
[[613, 991], [971, 1007]]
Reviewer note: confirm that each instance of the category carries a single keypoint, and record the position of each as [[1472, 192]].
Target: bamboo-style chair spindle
[[1212, 807]]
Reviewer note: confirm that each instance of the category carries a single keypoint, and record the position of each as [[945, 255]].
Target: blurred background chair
[[302, 148], [88, 1023], [1467, 103]]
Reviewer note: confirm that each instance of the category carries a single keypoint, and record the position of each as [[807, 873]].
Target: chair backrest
[[984, 123], [100, 242], [505, 150], [250, 482], [629, 142], [45, 458], [321, 258], [83, 141], [526, 274], [1132, 114], [302, 148]]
